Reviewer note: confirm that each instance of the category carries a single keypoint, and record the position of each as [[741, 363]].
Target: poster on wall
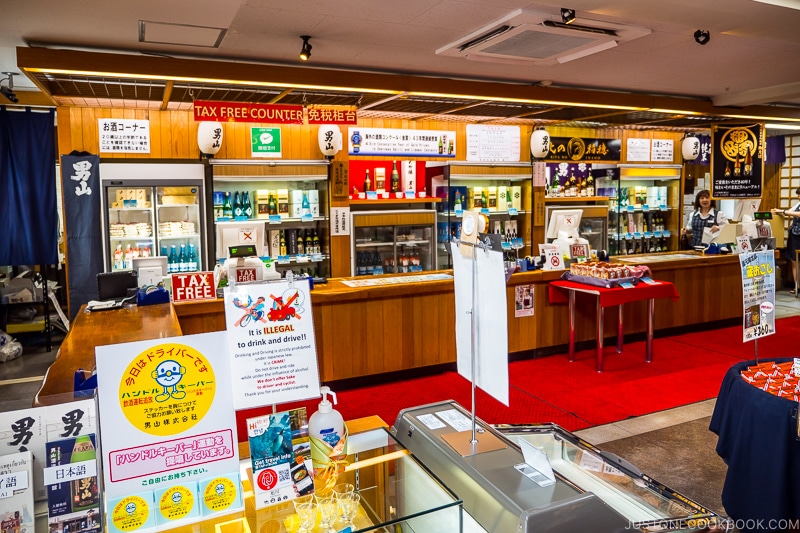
[[493, 143], [401, 142], [168, 431], [273, 352], [758, 294], [265, 142], [737, 160], [122, 135]]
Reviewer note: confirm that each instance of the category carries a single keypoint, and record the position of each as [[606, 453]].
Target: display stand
[[458, 440]]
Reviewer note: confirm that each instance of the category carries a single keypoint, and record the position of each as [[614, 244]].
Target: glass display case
[[281, 207], [645, 503], [644, 213], [501, 191], [539, 477], [154, 209], [392, 241]]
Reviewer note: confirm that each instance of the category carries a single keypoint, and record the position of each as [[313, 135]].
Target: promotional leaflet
[[73, 492], [273, 354], [758, 294], [168, 427], [280, 454], [16, 492], [31, 429]]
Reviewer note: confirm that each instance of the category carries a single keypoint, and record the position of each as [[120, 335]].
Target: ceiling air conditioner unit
[[534, 38]]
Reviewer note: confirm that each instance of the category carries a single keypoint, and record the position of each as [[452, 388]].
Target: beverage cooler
[[388, 242], [154, 209]]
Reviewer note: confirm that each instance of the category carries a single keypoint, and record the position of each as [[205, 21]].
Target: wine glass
[[343, 489], [327, 513], [348, 508], [304, 507]]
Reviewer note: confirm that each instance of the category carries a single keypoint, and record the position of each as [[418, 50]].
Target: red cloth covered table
[[561, 291]]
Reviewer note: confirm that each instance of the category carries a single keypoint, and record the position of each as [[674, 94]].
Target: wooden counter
[[373, 330], [99, 328]]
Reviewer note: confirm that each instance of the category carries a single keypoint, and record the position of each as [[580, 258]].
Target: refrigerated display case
[[501, 191], [540, 477], [392, 241], [152, 209], [288, 212]]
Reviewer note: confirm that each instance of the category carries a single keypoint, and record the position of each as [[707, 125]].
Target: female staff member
[[794, 236], [705, 215]]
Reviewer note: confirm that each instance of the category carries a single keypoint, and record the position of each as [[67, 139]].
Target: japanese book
[[278, 474], [16, 492], [31, 429], [73, 493]]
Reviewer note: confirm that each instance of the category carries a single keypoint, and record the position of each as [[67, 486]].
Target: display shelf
[[574, 199], [187, 236], [134, 238], [395, 201], [128, 209]]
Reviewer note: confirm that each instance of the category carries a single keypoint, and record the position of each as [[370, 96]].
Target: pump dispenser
[[327, 423]]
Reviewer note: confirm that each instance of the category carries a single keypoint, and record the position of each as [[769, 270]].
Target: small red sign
[[193, 286], [321, 114], [244, 275], [247, 112]]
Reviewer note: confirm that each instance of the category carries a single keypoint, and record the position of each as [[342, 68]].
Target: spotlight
[[702, 37], [567, 15], [8, 92], [305, 53]]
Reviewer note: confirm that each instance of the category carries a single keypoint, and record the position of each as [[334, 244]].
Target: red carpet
[[686, 369]]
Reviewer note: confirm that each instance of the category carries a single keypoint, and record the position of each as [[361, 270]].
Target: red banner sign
[[318, 114], [245, 112], [193, 286]]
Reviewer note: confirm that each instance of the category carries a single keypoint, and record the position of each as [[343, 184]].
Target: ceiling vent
[[534, 38]]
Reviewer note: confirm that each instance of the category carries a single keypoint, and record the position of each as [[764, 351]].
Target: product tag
[[513, 211], [650, 281], [274, 219], [626, 285]]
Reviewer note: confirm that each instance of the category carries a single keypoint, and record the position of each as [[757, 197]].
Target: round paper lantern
[[540, 143], [690, 148], [329, 138], [209, 137]]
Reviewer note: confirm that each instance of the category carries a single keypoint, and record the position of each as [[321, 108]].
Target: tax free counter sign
[[167, 429]]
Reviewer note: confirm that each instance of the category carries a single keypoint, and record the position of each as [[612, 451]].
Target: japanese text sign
[[737, 161], [758, 294], [247, 112]]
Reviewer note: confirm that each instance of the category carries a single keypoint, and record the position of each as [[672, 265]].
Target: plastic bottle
[[327, 423]]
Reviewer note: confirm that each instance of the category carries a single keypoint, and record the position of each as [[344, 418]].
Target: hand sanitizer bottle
[[327, 423]]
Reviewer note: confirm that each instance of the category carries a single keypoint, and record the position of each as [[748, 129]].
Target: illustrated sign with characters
[[273, 353], [168, 430]]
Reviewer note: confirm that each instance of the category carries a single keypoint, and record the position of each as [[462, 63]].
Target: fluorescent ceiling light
[[791, 4], [587, 52], [782, 126]]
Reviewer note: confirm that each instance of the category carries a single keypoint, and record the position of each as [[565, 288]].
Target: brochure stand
[[459, 441]]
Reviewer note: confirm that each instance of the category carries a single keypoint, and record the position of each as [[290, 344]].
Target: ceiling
[[654, 74]]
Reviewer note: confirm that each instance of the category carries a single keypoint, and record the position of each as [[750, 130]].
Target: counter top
[[100, 328]]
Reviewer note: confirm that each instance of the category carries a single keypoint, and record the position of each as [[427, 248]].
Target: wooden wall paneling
[[156, 147], [63, 131], [180, 134], [165, 136], [90, 140]]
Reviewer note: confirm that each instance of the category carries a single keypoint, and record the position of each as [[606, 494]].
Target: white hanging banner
[[273, 352], [491, 320]]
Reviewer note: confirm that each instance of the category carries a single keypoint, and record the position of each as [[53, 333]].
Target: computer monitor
[[568, 220], [746, 208], [151, 269], [240, 234]]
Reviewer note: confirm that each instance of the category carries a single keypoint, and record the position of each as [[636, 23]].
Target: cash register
[[243, 266]]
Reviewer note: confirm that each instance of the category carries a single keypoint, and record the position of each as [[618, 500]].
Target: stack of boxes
[[131, 198], [292, 203]]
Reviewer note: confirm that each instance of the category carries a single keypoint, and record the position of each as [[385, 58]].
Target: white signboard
[[490, 321], [167, 427], [663, 150], [399, 142], [758, 294], [31, 429], [340, 221], [553, 260], [122, 135], [273, 353], [493, 143], [638, 149]]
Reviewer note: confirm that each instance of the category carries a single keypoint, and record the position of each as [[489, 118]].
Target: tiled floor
[[674, 447]]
